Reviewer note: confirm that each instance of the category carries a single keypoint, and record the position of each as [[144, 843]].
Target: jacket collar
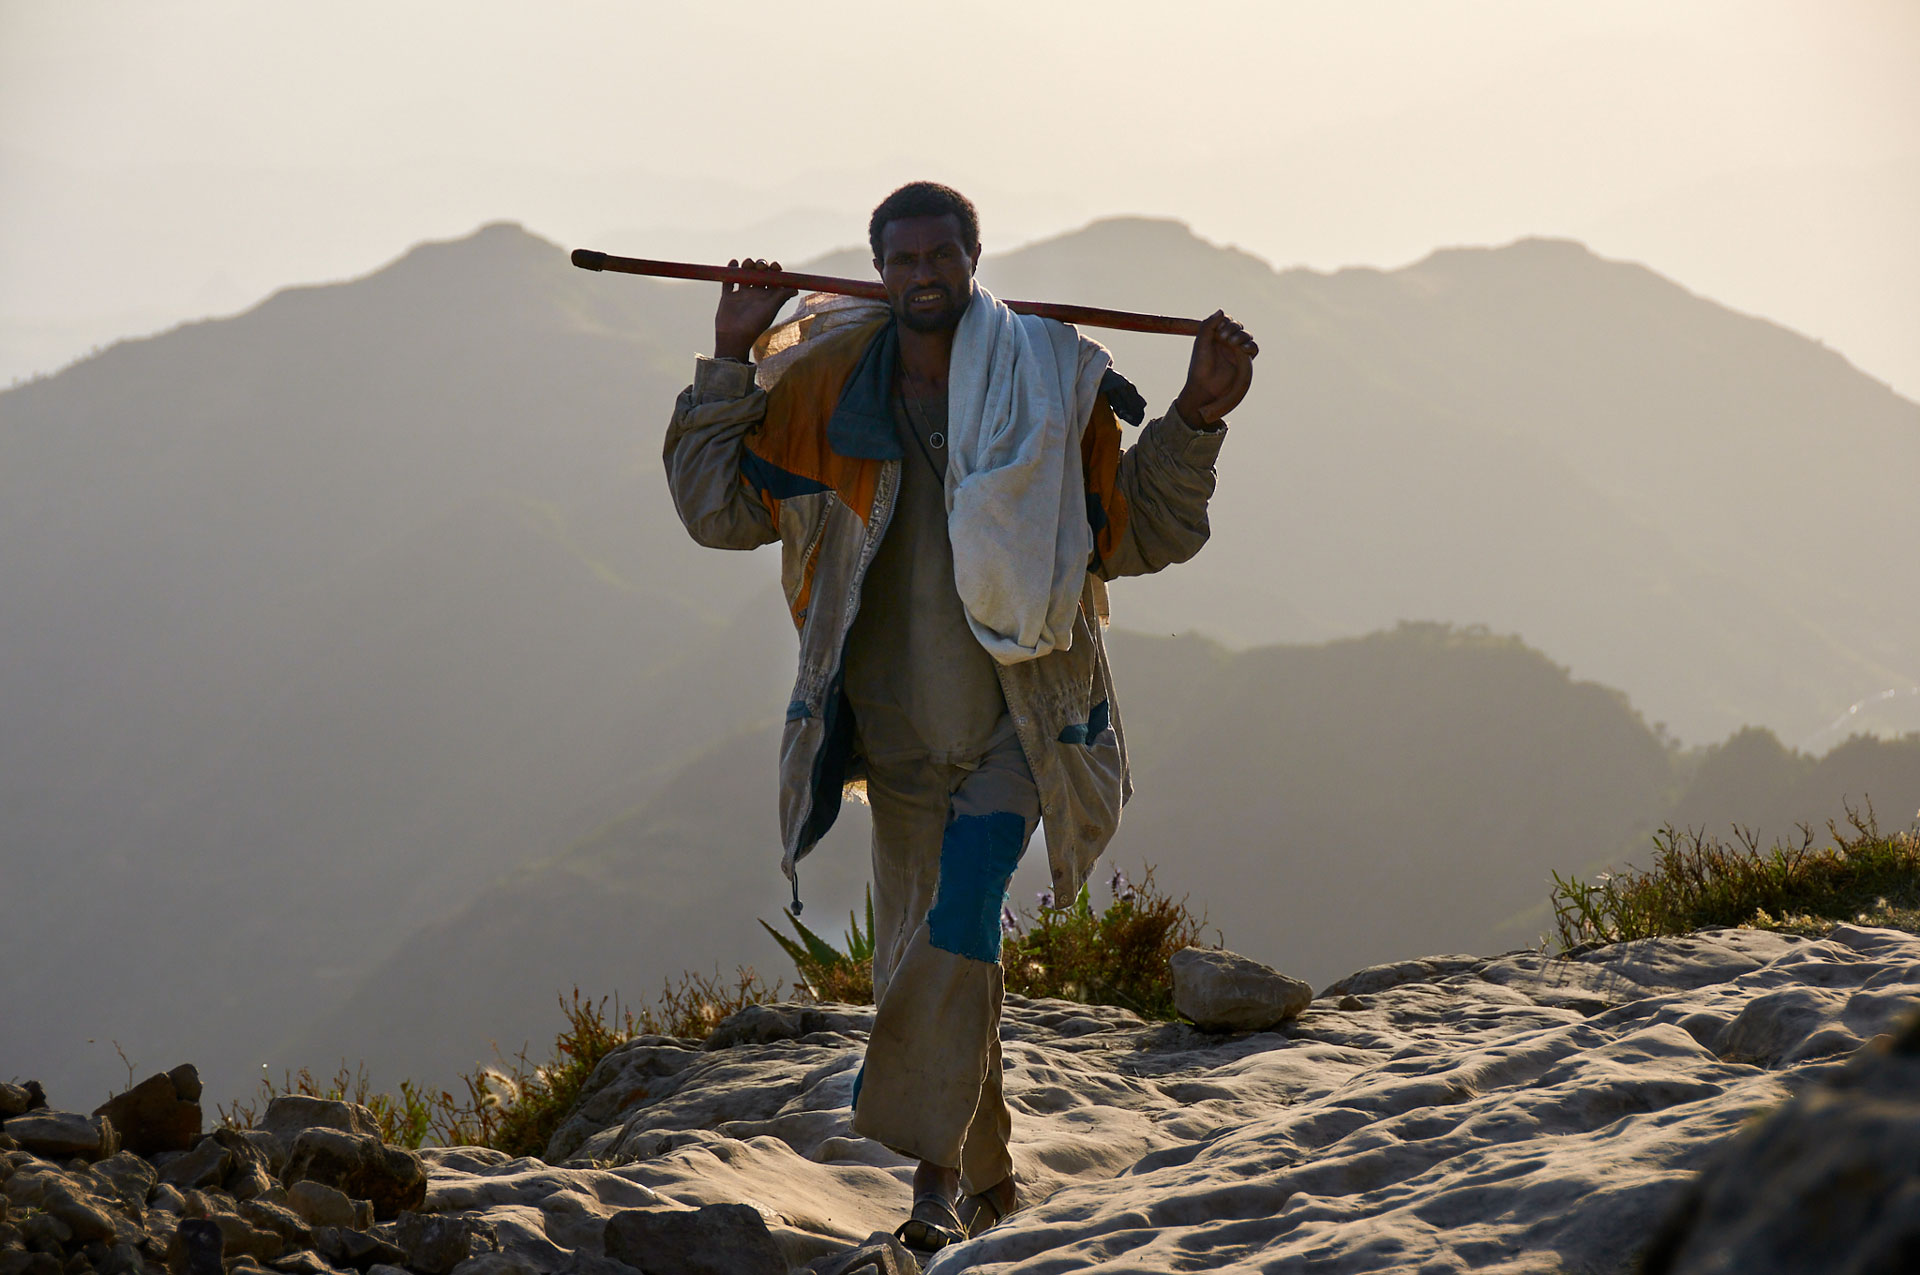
[[862, 425]]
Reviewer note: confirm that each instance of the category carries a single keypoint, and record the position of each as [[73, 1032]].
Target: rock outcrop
[[1513, 1113]]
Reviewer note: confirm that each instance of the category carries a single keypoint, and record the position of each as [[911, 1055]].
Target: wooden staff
[[1085, 315]]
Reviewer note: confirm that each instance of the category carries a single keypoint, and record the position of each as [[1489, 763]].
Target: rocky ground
[[1511, 1114]]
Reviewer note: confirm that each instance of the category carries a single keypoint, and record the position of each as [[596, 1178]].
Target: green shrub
[[1697, 882], [1115, 957]]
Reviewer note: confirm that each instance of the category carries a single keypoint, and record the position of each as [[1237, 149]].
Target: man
[[912, 467]]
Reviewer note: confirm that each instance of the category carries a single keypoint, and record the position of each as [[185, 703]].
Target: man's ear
[[973, 258], [876, 267]]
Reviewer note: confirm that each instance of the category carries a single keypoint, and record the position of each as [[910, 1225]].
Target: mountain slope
[[322, 619]]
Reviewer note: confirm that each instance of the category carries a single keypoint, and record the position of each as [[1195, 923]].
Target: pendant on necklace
[[936, 440]]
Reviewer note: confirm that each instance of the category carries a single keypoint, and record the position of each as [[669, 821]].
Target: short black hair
[[924, 199]]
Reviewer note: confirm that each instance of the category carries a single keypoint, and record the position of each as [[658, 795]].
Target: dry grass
[[1697, 881]]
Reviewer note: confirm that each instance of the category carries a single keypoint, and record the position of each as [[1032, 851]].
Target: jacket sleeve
[[705, 443], [1156, 508]]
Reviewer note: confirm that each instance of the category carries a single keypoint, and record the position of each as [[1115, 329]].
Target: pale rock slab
[[1219, 990], [1510, 1114]]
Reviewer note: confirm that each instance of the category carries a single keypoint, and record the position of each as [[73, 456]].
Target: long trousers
[[946, 840]]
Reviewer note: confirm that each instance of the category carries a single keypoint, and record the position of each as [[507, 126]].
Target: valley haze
[[362, 691]]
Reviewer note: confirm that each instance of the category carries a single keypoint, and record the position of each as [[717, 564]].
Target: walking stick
[[1085, 315]]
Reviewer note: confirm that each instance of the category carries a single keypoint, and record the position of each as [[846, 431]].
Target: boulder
[[206, 1165], [158, 1114], [13, 1100], [435, 1244], [64, 1135], [358, 1249], [720, 1239], [321, 1205], [290, 1115], [360, 1166], [198, 1248], [1828, 1183], [130, 1177], [81, 1214], [1224, 991]]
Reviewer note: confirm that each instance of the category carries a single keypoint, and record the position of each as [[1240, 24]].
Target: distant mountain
[[324, 619], [1701, 508]]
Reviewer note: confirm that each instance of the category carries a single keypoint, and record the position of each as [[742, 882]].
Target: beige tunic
[[921, 685]]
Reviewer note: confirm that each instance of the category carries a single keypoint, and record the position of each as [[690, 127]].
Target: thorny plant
[[1698, 881]]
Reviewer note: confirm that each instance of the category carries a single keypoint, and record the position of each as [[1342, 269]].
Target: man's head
[[926, 243]]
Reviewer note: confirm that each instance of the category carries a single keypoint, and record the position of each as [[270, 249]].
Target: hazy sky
[[165, 160]]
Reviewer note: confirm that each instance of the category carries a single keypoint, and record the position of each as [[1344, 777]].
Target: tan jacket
[[815, 464]]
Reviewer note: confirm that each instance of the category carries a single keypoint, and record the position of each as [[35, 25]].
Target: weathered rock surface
[[1829, 1183], [1512, 1114], [1218, 990], [360, 1166], [720, 1239], [161, 1113], [64, 1135]]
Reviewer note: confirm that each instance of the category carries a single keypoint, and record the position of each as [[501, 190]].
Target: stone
[[129, 1177], [288, 1225], [360, 1166], [720, 1239], [495, 1264], [1223, 991], [167, 1198], [120, 1259], [881, 1254], [13, 1100], [154, 1116], [358, 1249], [82, 1216], [435, 1243], [290, 1115], [207, 1165], [248, 1174], [304, 1262], [64, 1135], [321, 1205], [199, 1248]]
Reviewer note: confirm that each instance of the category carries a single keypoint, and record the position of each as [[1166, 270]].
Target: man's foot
[[934, 1223], [985, 1209]]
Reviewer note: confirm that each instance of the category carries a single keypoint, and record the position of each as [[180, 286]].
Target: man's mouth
[[927, 296]]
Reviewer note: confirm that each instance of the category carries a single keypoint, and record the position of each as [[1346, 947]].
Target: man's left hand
[[1219, 372]]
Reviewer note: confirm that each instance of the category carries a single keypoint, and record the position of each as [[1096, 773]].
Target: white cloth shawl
[[1019, 392]]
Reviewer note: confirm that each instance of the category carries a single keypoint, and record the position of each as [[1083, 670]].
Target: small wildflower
[[1046, 898], [1009, 923], [1121, 887]]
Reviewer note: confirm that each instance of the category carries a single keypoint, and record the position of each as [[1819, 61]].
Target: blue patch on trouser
[[977, 857]]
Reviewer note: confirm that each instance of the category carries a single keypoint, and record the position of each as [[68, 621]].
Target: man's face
[[927, 268]]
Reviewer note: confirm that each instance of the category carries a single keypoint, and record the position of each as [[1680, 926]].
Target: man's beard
[[945, 320]]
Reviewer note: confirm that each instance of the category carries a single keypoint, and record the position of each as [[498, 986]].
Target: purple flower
[[1009, 923], [1046, 898], [1121, 887]]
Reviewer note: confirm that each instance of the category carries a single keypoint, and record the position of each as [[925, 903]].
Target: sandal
[[978, 1212], [932, 1225]]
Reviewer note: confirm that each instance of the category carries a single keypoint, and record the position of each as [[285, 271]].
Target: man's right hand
[[746, 310]]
